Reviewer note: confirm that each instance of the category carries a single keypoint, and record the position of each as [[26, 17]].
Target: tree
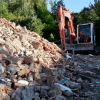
[[85, 9], [4, 13], [55, 4]]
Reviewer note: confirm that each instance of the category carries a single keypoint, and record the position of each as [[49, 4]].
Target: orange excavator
[[65, 15], [85, 38]]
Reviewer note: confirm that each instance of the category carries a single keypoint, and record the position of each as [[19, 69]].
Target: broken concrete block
[[30, 78], [3, 87], [4, 96], [28, 60], [52, 93], [66, 91], [23, 82], [3, 56], [43, 93], [19, 62], [10, 92], [4, 50], [19, 91], [75, 63], [27, 93], [47, 88], [79, 80], [36, 96], [37, 76], [36, 44], [58, 97], [50, 80], [43, 77], [57, 88], [65, 80], [23, 72], [15, 96], [90, 55]]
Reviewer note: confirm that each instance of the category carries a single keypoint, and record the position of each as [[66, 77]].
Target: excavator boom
[[65, 15]]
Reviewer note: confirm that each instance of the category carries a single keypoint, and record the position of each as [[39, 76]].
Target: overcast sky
[[73, 5]]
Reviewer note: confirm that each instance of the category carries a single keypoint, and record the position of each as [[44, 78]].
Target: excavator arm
[[65, 15]]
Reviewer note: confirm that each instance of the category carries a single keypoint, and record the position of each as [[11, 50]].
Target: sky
[[73, 5]]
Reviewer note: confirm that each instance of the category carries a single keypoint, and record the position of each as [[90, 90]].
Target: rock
[[43, 77], [79, 80], [27, 93], [19, 91], [52, 93], [50, 80], [75, 63], [52, 98], [4, 50], [60, 97], [36, 96], [47, 88], [4, 96], [43, 93], [66, 91], [30, 78], [15, 96], [23, 72], [32, 83], [74, 85], [65, 80], [57, 88], [90, 55], [3, 87], [24, 82]]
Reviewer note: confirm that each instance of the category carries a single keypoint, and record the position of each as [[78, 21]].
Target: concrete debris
[[23, 82], [32, 68], [66, 90]]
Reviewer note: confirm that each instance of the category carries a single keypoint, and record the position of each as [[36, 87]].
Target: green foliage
[[32, 23], [55, 4], [4, 13], [51, 38]]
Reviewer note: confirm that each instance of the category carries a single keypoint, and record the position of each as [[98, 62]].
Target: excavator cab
[[86, 33]]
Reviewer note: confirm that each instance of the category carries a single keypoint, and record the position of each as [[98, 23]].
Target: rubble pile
[[34, 69]]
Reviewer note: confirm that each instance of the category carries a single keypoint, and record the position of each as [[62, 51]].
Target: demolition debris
[[32, 68]]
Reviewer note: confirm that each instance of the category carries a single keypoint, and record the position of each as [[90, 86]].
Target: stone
[[15, 96], [30, 78], [75, 63], [43, 77], [10, 92], [4, 50], [52, 93], [19, 91], [50, 80], [52, 98], [60, 97], [3, 87], [27, 93], [80, 80], [43, 93], [23, 72], [57, 89], [47, 88], [23, 82], [65, 81], [36, 96], [66, 90], [4, 96]]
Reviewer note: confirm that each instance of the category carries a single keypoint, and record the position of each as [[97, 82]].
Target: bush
[[32, 23]]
